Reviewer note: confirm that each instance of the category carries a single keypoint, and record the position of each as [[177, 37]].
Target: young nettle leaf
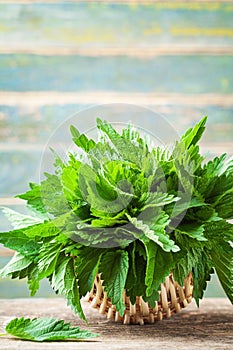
[[114, 267], [46, 329], [81, 140], [20, 220], [193, 135], [19, 241], [193, 230], [155, 230], [16, 265], [87, 265], [64, 282]]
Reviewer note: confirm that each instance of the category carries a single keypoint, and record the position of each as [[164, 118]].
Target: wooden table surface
[[209, 327]]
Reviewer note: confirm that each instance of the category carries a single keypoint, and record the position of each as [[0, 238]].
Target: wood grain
[[95, 25], [209, 327], [180, 74]]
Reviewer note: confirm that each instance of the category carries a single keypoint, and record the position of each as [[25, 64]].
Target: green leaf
[[49, 228], [156, 232], [156, 199], [33, 198], [192, 230], [159, 266], [81, 140], [64, 282], [86, 265], [126, 148], [45, 329], [19, 241], [19, 220], [52, 195], [23, 267], [222, 257], [70, 184], [193, 257], [114, 267], [59, 164], [220, 235], [17, 264], [193, 135], [102, 197], [47, 259], [135, 283], [215, 167], [201, 274]]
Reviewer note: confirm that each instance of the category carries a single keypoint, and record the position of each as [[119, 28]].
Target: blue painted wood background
[[59, 57]]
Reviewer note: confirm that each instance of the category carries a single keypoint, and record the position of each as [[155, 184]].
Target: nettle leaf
[[182, 206], [23, 267], [205, 213], [132, 134], [135, 283], [86, 265], [193, 230], [193, 257], [159, 266], [33, 279], [201, 272], [227, 167], [59, 164], [33, 198], [193, 135], [19, 220], [222, 257], [52, 195], [101, 196], [45, 329], [215, 167], [156, 232], [219, 231], [70, 186], [64, 282], [220, 235], [19, 241], [126, 148], [114, 267], [47, 258], [103, 237], [158, 199], [224, 206], [50, 228], [17, 264], [81, 140]]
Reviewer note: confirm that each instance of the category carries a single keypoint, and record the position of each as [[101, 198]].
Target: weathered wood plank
[[93, 25], [121, 51], [22, 125], [180, 74], [32, 99], [209, 327], [18, 168]]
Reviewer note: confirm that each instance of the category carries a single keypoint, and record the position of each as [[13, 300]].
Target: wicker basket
[[172, 299]]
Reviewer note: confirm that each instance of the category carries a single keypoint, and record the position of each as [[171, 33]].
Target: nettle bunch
[[129, 211]]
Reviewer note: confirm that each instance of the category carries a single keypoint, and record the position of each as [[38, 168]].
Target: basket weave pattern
[[172, 299]]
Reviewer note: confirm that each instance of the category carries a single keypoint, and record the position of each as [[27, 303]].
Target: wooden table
[[209, 327]]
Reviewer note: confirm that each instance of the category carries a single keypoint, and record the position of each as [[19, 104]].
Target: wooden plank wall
[[57, 57]]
